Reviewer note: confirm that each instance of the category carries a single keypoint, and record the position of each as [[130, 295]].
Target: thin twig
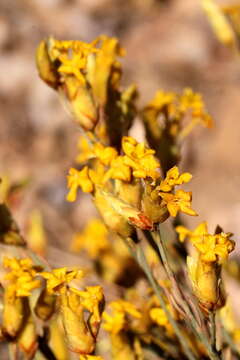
[[139, 256]]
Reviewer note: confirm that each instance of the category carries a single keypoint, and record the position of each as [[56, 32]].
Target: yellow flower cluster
[[212, 248], [179, 201], [21, 277], [57, 279]]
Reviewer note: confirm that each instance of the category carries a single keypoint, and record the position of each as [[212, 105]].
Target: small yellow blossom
[[140, 158], [194, 235], [21, 277], [173, 178], [215, 248], [90, 151], [194, 102], [212, 248], [78, 179], [57, 279], [91, 299], [93, 239], [181, 201]]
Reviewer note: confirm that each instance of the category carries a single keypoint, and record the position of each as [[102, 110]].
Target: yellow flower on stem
[[78, 179], [21, 278], [93, 239], [215, 248], [105, 154], [57, 279], [140, 158], [181, 201], [91, 299], [173, 178]]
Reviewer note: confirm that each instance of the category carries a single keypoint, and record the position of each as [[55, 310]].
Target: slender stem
[[141, 260], [193, 322], [213, 329]]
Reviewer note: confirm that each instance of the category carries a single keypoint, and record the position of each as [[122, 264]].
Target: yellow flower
[[215, 248], [91, 299], [173, 178], [181, 201], [140, 158], [212, 248], [21, 277], [90, 151], [78, 179], [194, 235], [57, 279], [194, 102], [119, 170], [93, 239]]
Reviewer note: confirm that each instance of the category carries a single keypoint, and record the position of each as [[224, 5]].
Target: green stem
[[212, 321]]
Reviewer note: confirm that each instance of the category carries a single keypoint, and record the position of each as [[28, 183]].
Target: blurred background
[[170, 45]]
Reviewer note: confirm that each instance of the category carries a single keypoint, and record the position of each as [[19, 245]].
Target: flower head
[[181, 201], [140, 158], [57, 279], [173, 178], [91, 299], [22, 277], [78, 179]]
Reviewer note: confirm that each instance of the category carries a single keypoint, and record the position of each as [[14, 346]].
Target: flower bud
[[78, 336], [206, 282]]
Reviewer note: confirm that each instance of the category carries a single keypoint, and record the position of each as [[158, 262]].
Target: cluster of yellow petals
[[93, 239], [90, 299], [212, 248], [173, 178], [72, 56], [105, 154], [140, 158], [121, 309], [180, 201], [22, 277], [78, 179], [57, 279], [194, 102]]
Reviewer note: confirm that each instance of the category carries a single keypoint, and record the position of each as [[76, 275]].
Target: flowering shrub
[[171, 307]]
